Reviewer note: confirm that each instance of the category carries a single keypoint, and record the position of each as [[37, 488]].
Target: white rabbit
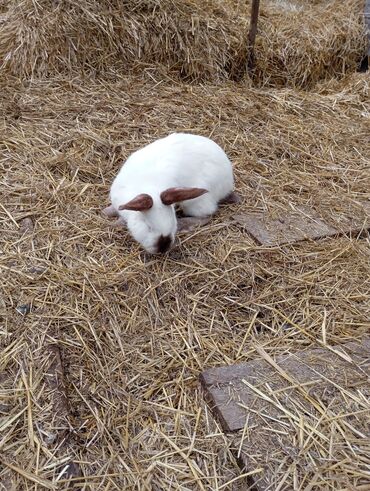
[[191, 171]]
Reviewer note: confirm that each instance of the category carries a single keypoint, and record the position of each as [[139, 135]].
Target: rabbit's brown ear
[[141, 202], [175, 195]]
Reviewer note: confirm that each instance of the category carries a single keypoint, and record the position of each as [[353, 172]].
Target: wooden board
[[367, 24], [282, 407], [58, 426], [285, 227]]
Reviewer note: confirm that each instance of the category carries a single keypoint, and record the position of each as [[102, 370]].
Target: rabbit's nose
[[164, 243]]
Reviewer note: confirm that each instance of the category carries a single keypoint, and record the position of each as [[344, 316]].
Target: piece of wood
[[187, 224], [279, 405], [55, 379], [354, 221], [286, 227], [252, 34], [367, 25], [59, 428], [225, 388]]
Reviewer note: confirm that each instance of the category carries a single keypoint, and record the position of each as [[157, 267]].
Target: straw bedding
[[135, 331], [102, 345]]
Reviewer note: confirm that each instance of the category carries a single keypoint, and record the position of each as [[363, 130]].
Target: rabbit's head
[[152, 221]]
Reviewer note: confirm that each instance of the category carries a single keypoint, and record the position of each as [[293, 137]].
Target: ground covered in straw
[[128, 334]]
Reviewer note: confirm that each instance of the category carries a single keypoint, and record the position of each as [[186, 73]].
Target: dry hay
[[134, 331], [299, 43], [303, 42], [94, 37], [101, 345]]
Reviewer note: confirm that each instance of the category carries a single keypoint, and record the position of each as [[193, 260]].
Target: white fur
[[179, 160]]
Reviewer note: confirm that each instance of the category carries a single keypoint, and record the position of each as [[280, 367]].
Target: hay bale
[[298, 43], [302, 42], [94, 37]]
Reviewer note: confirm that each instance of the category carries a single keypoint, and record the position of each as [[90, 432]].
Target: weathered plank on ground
[[59, 427], [295, 412], [285, 227]]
